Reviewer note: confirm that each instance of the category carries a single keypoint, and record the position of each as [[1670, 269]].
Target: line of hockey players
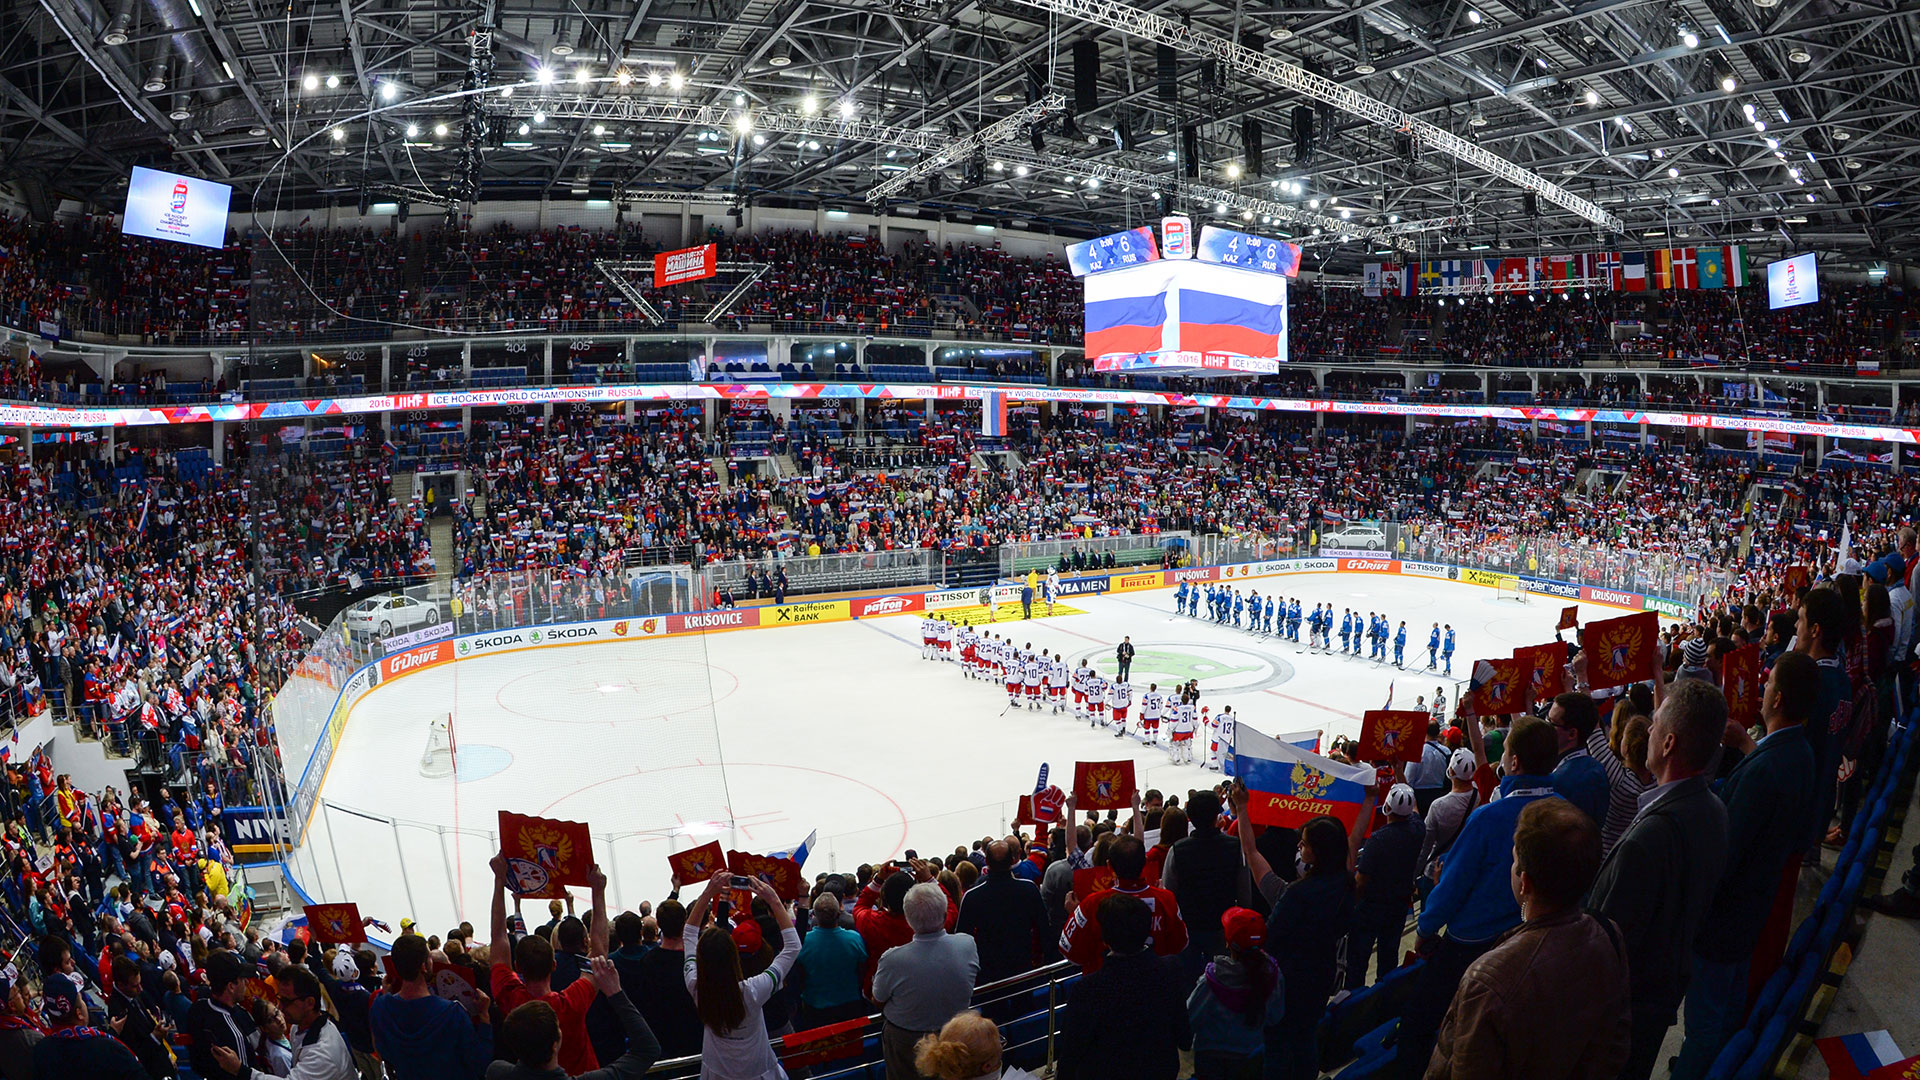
[[1246, 609], [1036, 680]]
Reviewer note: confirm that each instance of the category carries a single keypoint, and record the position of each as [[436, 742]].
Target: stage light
[[582, 75], [413, 131], [311, 82], [543, 76], [333, 82], [389, 91], [440, 130], [676, 81], [1728, 84], [847, 109], [809, 105]]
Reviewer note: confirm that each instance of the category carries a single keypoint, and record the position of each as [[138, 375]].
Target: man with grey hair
[[832, 956], [1659, 880], [923, 984]]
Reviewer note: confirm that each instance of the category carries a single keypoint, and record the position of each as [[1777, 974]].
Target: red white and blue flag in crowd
[[1290, 786], [993, 414]]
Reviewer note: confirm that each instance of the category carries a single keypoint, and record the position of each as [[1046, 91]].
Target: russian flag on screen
[[1290, 786], [1228, 310], [1127, 310]]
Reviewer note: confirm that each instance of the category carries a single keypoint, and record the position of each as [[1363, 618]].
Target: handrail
[[1037, 976]]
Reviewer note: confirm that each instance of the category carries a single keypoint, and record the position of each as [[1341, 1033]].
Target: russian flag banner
[[1291, 786], [1858, 1056], [1224, 310], [993, 414], [1127, 310]]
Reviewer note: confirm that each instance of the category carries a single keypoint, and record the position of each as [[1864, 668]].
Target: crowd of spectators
[[85, 275]]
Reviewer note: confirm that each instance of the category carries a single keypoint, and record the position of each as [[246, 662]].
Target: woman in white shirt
[[735, 1046]]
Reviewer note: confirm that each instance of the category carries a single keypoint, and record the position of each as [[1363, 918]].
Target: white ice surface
[[839, 727]]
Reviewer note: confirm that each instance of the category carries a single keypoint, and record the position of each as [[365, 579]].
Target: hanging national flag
[[1289, 786], [1516, 274], [1736, 265], [1609, 266], [1370, 278], [1454, 272], [1660, 269], [1559, 270], [1684, 268], [1713, 268], [1633, 271], [993, 414], [1430, 275]]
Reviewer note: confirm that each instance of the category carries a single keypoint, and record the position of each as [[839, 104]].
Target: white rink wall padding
[[757, 738]]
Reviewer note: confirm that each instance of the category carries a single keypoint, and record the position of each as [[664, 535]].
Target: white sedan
[[385, 614]]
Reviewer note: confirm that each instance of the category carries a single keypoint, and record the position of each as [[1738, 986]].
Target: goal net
[[1508, 588], [438, 760]]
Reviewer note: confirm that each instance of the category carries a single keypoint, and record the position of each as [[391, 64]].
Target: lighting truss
[[626, 109], [1148, 26], [1002, 130], [410, 194], [1332, 229]]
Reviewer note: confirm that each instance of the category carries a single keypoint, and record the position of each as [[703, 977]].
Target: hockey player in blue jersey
[[1180, 598], [1379, 637], [1266, 621], [1193, 602], [1346, 631], [1446, 649], [1433, 648], [1400, 645], [1239, 606], [1293, 619]]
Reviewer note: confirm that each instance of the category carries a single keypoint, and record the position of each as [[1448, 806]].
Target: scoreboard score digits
[[1113, 252], [1229, 247]]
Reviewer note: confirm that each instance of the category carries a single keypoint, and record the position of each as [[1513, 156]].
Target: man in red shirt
[[527, 979], [1080, 941]]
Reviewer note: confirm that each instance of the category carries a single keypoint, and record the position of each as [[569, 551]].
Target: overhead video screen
[[184, 209]]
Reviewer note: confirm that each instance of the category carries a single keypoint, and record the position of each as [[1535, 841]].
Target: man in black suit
[[1769, 797], [1660, 879], [1123, 655], [1127, 1021]]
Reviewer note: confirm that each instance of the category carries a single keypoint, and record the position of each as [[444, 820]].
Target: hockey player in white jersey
[[945, 633], [1035, 668], [929, 637], [1078, 683], [1051, 588], [1222, 742], [1096, 697], [1180, 745], [1057, 675], [1120, 700], [1152, 703]]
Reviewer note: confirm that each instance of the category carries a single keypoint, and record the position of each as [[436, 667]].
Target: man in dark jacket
[[142, 1027], [1127, 1021], [1123, 655], [1205, 874], [1660, 879], [660, 989], [1768, 797], [569, 964], [1006, 917], [217, 1022]]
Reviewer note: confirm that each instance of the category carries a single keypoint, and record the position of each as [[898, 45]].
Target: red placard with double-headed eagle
[[1102, 785], [544, 855], [1621, 651], [336, 924], [1392, 735]]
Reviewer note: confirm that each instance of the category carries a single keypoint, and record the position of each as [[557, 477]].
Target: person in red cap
[[1235, 1001], [1081, 940]]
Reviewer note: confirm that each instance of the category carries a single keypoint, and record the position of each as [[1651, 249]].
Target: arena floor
[[840, 727]]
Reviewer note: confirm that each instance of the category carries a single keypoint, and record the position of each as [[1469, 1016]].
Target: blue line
[[869, 624]]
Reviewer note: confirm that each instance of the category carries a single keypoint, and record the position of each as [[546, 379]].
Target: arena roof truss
[[1628, 122]]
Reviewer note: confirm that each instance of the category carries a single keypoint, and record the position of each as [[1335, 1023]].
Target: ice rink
[[839, 727]]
